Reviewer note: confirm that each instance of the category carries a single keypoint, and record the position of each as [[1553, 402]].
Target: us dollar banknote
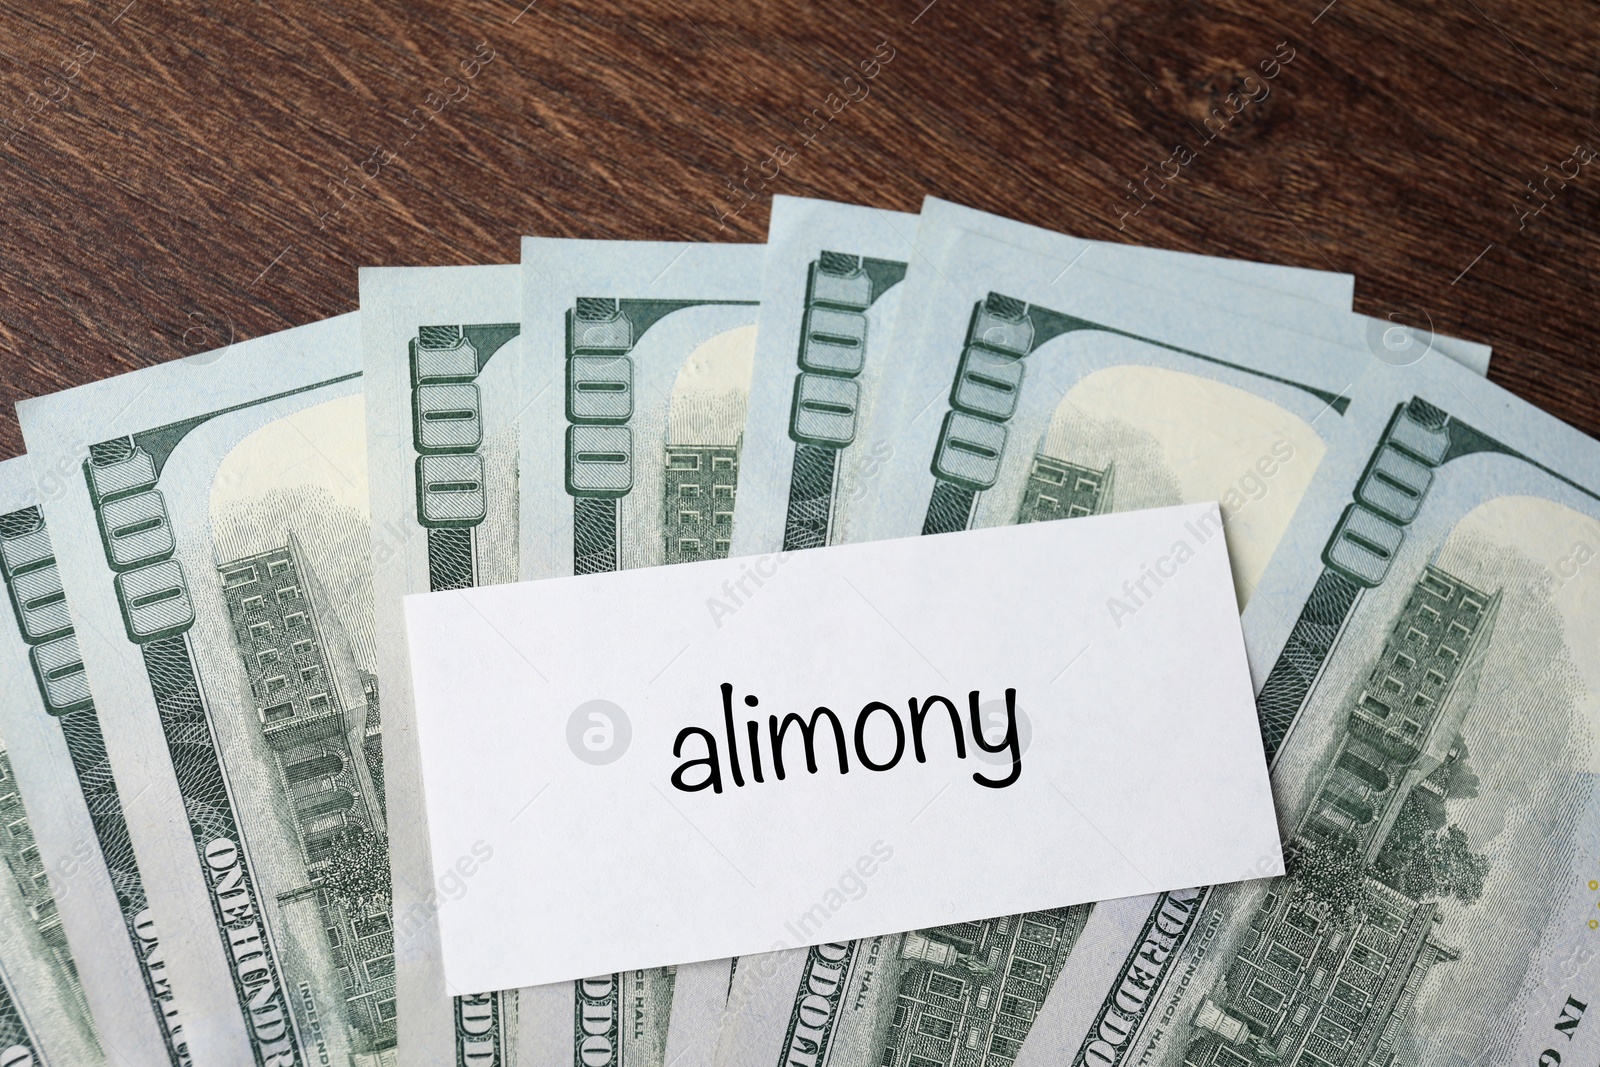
[[961, 993], [78, 939], [633, 429], [1424, 650], [832, 287], [1306, 301], [1141, 399], [1030, 394], [442, 356], [835, 277], [637, 380], [214, 544]]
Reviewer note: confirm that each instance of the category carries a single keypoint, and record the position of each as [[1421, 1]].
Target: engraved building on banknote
[[970, 991], [1057, 489], [21, 857], [1329, 977], [319, 714], [700, 484]]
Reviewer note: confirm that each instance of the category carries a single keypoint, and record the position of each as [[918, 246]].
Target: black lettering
[[713, 766], [808, 732], [1571, 1015], [685, 779], [918, 715], [861, 737], [755, 750], [1010, 741], [752, 728], [733, 738]]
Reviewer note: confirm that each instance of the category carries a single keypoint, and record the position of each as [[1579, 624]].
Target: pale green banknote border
[[442, 355], [624, 294], [1305, 301], [1189, 274]]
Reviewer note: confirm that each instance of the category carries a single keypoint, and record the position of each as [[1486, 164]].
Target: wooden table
[[179, 174]]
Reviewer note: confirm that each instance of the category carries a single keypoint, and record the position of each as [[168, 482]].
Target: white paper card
[[569, 840]]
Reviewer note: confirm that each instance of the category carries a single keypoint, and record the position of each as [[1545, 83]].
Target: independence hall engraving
[[1329, 977], [318, 712]]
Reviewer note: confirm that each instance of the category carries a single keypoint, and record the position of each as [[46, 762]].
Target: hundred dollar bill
[[442, 358], [634, 424], [1257, 290], [1424, 645], [961, 993], [1033, 394], [76, 905], [635, 388], [44, 1010], [214, 544], [833, 283], [835, 277]]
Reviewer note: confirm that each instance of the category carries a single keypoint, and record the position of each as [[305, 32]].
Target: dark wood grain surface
[[176, 174]]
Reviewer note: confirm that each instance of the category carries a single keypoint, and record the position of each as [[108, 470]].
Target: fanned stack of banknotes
[[210, 805]]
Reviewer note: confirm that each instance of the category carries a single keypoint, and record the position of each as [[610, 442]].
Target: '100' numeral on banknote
[[153, 594], [827, 406], [452, 502], [28, 563]]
